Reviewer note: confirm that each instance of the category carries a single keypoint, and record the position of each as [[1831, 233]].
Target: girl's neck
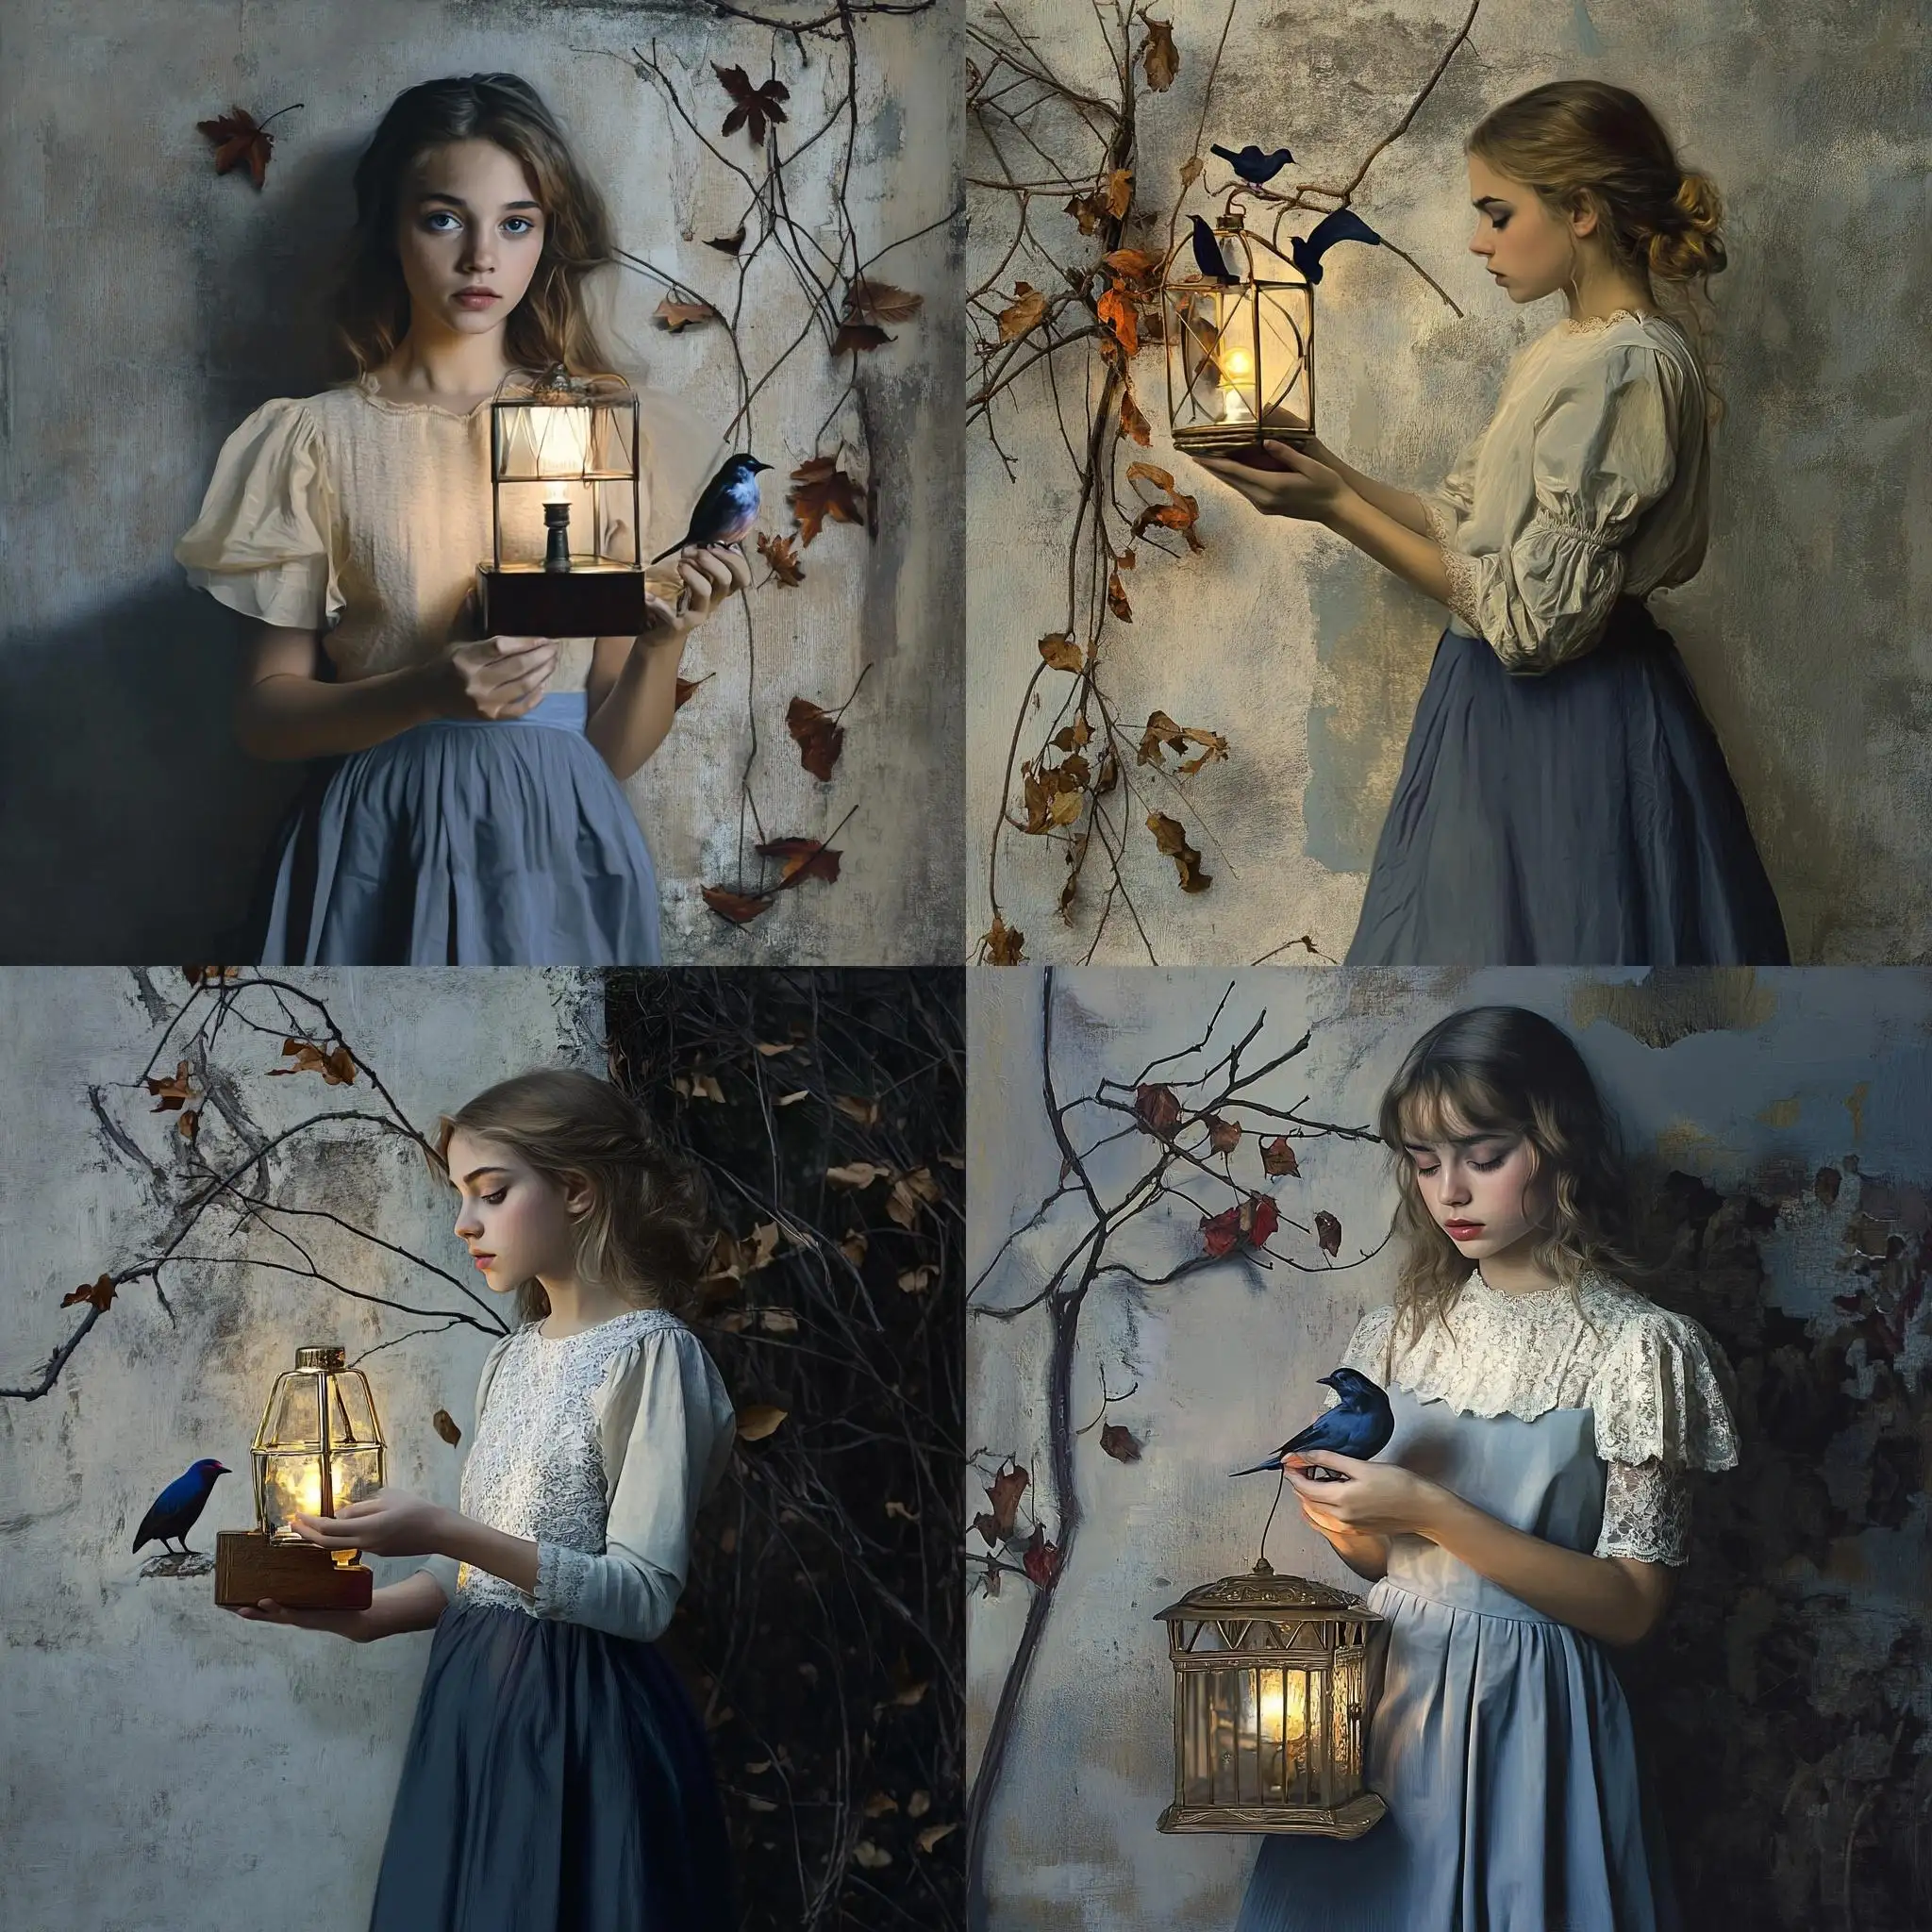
[[1601, 290], [574, 1307], [445, 367], [1514, 1270]]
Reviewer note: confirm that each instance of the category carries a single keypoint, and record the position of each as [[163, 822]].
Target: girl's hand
[[358, 1627], [1300, 487], [392, 1522], [491, 677], [1379, 1499], [710, 572]]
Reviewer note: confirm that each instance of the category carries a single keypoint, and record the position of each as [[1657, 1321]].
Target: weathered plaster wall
[[1779, 1124], [166, 1765], [1807, 632], [146, 306]]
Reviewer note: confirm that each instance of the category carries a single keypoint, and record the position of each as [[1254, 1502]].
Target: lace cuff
[[562, 1573], [1646, 1514]]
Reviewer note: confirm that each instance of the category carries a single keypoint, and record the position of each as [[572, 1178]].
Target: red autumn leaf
[[856, 336], [1220, 1232], [1157, 1109], [1265, 1222], [1328, 1232], [756, 107], [681, 315], [741, 909], [1252, 1220], [802, 859], [99, 1294], [1040, 1559], [821, 489], [1003, 1493], [818, 737], [881, 301], [1120, 1444], [687, 689], [1277, 1156], [239, 136], [1003, 944], [336, 1064], [173, 1089], [780, 554], [1224, 1137]]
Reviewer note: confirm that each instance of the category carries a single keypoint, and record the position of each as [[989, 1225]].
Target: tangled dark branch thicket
[[824, 1615]]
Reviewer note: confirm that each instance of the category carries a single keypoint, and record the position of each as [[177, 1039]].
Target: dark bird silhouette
[[1251, 164], [1208, 255], [1343, 224], [1360, 1424], [172, 1514], [726, 510]]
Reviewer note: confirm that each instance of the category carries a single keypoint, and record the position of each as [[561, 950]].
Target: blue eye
[[523, 224], [435, 215]]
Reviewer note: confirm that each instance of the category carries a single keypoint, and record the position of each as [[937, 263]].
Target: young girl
[[477, 816], [1527, 1512], [1563, 799], [557, 1776]]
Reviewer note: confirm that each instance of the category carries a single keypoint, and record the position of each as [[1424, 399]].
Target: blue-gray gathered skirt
[[557, 1779], [485, 844], [1582, 817]]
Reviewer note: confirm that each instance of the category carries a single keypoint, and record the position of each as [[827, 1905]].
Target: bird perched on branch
[[1359, 1426], [1208, 255], [1343, 225], [173, 1513], [1251, 164], [726, 510]]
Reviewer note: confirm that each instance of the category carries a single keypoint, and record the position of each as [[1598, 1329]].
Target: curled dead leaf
[[1061, 653], [741, 909], [933, 1834], [857, 1173], [1170, 836], [1120, 1444], [1133, 424], [99, 1294], [1277, 1156], [1002, 945], [678, 316], [1027, 310], [1160, 60], [821, 489], [444, 1425], [855, 337], [819, 737], [1328, 1232], [782, 559], [1158, 1108], [686, 690], [1120, 192], [1003, 1493], [882, 302], [758, 1421]]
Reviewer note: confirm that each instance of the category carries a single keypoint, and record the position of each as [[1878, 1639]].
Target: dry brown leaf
[[759, 1420], [1224, 1137], [801, 859], [728, 245], [900, 1511], [820, 489], [678, 316], [336, 1064], [857, 1173], [1170, 836], [445, 1424], [771, 1049], [239, 136], [879, 1804], [933, 1834], [1088, 210], [754, 108], [817, 735], [1120, 1444], [686, 690], [738, 908], [1160, 60], [917, 1281], [1191, 171], [1117, 598], [1133, 424], [882, 302], [1027, 310], [855, 337], [853, 1247], [866, 1113], [792, 1099], [874, 1857], [782, 558], [99, 1294], [1277, 1156], [778, 1321], [1120, 192], [1061, 653], [1003, 944]]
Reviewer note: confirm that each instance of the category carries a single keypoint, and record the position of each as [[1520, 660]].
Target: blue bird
[[1343, 224], [1359, 1426], [726, 510], [1251, 164], [172, 1514], [1208, 255]]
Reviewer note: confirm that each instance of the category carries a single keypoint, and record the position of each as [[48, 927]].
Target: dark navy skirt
[[557, 1779], [485, 844], [1585, 817]]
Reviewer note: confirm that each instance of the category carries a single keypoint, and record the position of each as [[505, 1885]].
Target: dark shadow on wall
[[135, 828], [1780, 1704]]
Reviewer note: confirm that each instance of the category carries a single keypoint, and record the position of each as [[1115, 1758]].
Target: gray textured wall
[[146, 306], [1807, 632], [165, 1764], [1748, 1084]]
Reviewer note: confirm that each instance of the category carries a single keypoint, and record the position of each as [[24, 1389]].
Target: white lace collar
[[1595, 325], [1652, 1378]]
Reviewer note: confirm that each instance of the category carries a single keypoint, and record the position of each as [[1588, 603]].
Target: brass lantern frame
[[576, 592], [1194, 316], [1275, 1631]]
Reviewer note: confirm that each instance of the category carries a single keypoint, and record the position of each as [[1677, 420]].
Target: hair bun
[[1687, 242]]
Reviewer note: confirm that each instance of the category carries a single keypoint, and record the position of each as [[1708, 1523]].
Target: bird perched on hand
[[726, 510], [1208, 255], [1360, 1424], [172, 1514], [1251, 164], [1343, 225]]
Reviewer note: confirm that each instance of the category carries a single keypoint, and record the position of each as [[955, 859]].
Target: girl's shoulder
[[1661, 1389]]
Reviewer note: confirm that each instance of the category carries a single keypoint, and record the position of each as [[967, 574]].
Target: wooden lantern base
[[249, 1566], [1341, 1820], [602, 600], [1239, 442]]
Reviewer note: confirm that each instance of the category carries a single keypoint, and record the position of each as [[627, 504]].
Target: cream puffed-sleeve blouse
[[1590, 483], [363, 518]]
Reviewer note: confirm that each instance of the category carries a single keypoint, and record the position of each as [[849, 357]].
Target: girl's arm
[[1404, 506], [631, 693], [414, 1603], [1616, 1599], [285, 711]]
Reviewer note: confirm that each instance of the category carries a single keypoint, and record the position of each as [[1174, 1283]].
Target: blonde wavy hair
[[647, 1231], [1586, 143], [551, 323], [1504, 1070]]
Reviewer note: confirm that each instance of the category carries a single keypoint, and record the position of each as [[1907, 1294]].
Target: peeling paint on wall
[[1670, 1003]]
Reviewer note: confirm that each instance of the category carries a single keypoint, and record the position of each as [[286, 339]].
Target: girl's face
[[517, 1224], [1531, 252], [469, 235], [1479, 1184]]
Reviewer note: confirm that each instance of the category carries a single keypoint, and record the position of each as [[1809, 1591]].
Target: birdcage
[[320, 1446], [1241, 354], [1270, 1711], [566, 499]]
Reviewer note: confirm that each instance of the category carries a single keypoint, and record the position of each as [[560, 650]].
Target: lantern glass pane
[[290, 1482], [355, 1473], [1276, 1709], [352, 1414], [294, 1413]]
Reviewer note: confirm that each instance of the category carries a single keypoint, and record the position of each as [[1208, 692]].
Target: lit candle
[[1235, 371]]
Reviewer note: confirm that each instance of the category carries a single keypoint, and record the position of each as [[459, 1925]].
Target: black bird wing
[[1340, 225], [705, 516]]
